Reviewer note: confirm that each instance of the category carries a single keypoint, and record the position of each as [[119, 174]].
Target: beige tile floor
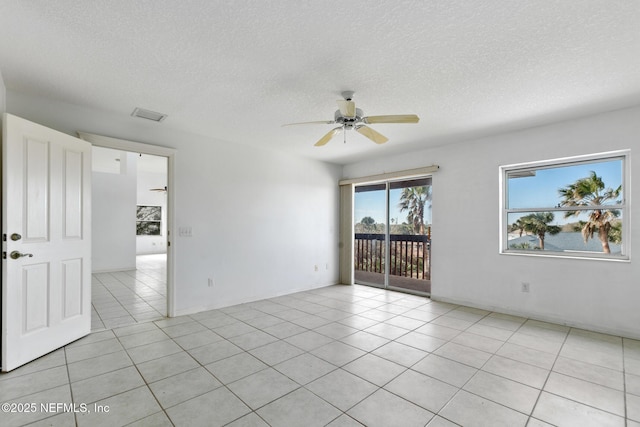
[[128, 297], [336, 356]]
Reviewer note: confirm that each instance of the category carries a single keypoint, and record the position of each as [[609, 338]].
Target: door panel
[[36, 173], [72, 194], [72, 288], [46, 285], [35, 290], [410, 238], [370, 237]]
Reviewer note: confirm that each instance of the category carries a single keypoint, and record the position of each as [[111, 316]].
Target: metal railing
[[409, 254]]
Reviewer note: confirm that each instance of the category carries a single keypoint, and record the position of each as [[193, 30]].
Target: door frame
[[387, 235], [346, 253], [155, 150]]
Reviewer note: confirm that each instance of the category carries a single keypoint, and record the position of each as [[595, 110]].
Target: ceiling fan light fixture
[[350, 117]]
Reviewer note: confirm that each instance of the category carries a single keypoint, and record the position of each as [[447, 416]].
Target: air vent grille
[[148, 114]]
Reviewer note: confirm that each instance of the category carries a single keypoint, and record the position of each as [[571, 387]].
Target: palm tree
[[591, 191], [413, 200], [538, 224], [615, 233], [517, 226]]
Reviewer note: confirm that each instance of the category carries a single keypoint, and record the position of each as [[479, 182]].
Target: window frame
[[624, 206], [158, 221]]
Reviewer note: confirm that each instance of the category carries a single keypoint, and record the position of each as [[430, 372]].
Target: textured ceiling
[[237, 70]]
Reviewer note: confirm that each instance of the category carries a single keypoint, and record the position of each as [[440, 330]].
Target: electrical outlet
[[525, 286], [210, 282], [315, 267]]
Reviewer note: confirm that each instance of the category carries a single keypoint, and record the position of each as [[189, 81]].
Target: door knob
[[15, 237], [16, 255]]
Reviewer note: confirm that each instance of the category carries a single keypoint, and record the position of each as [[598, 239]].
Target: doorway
[[392, 235], [141, 289]]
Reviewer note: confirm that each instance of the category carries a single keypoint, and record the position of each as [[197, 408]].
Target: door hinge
[[168, 243]]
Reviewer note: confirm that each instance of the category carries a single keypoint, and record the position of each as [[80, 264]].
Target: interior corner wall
[[113, 243], [466, 265], [264, 223]]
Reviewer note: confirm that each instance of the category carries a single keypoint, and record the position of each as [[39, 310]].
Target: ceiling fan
[[350, 117]]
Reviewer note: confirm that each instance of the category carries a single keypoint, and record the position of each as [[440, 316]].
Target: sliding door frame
[[387, 234], [346, 249]]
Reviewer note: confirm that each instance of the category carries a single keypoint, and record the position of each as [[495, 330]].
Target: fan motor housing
[[348, 121]]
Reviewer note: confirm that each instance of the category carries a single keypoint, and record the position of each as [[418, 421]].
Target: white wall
[[146, 181], [3, 96], [467, 268], [113, 213], [261, 219]]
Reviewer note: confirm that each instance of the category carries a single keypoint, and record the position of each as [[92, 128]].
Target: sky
[[540, 190], [372, 203]]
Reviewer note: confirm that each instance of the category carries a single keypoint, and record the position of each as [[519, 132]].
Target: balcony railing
[[409, 255]]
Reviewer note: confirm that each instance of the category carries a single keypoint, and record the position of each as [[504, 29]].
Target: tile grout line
[[146, 384], [591, 382], [223, 385], [333, 370], [66, 363], [624, 385], [116, 276], [548, 376], [461, 388]]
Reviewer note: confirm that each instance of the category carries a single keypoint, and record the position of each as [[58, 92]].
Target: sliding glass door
[[392, 241], [370, 219], [410, 236]]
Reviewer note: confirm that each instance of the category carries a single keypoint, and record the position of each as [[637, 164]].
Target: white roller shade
[[410, 173]]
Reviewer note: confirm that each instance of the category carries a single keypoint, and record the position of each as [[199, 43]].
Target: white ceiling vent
[[149, 115]]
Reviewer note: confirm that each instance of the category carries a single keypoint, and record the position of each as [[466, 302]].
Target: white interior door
[[46, 265]]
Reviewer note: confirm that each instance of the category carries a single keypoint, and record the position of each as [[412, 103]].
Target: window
[[148, 220], [575, 207]]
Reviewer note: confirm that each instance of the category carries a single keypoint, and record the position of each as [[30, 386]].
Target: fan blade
[[399, 118], [320, 122], [347, 108], [328, 136], [376, 137]]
